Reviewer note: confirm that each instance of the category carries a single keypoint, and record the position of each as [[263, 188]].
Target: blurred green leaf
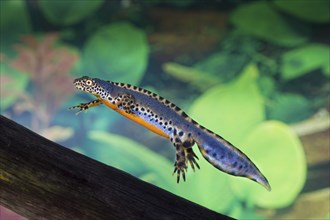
[[277, 151], [314, 11], [267, 85], [14, 21], [14, 17], [245, 213], [118, 52], [232, 110], [68, 12], [224, 65], [300, 61], [131, 157], [199, 79], [12, 86], [326, 70], [236, 209], [259, 19], [175, 3], [290, 108], [181, 3]]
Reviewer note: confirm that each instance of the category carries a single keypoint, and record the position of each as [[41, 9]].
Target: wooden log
[[40, 179]]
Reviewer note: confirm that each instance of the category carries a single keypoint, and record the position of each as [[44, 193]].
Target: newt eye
[[88, 82]]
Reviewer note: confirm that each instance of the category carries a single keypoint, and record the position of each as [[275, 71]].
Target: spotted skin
[[85, 106], [168, 120]]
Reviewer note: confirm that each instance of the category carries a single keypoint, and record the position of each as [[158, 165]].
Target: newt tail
[[169, 121], [227, 158]]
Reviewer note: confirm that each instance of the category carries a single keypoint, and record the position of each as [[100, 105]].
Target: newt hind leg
[[184, 155], [180, 165], [84, 106], [190, 155]]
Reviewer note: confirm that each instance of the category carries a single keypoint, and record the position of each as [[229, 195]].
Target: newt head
[[90, 85], [85, 84]]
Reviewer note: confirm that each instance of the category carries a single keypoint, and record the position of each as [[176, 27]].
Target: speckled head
[[91, 85]]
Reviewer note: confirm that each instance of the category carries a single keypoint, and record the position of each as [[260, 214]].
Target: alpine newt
[[168, 120]]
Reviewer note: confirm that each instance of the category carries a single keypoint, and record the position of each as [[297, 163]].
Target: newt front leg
[[85, 106], [125, 101]]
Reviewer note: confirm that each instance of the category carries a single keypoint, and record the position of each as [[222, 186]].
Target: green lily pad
[[231, 110], [68, 12], [118, 52], [14, 17], [131, 157], [313, 11], [261, 20], [14, 22], [278, 153], [303, 60]]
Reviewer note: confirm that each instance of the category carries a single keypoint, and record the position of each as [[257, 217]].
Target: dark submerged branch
[[40, 179]]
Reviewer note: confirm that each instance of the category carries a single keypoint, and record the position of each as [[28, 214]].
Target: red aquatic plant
[[48, 65]]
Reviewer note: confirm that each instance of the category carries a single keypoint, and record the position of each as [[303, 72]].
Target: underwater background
[[255, 72]]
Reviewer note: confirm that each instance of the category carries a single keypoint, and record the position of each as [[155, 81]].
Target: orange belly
[[137, 119]]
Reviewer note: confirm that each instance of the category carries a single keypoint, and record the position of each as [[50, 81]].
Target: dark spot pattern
[[167, 103], [183, 114], [188, 144]]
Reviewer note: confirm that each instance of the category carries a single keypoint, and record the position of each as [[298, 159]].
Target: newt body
[[166, 119]]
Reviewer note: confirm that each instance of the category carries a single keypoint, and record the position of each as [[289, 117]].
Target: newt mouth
[[78, 85]]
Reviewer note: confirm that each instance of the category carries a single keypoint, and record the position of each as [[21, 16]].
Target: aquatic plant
[[47, 65]]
